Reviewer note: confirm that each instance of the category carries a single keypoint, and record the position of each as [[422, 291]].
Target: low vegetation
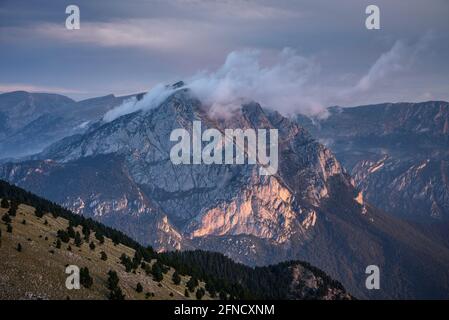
[[115, 266]]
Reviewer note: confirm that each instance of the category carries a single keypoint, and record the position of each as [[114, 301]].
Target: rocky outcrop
[[397, 154], [120, 173]]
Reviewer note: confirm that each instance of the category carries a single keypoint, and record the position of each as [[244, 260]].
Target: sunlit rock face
[[120, 173], [397, 153], [198, 200], [265, 210]]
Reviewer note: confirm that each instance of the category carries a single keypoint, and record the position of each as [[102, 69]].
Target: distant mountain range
[[397, 153], [29, 122], [314, 210]]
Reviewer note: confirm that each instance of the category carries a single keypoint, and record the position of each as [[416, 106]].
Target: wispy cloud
[[282, 85], [289, 84], [400, 58], [154, 34]]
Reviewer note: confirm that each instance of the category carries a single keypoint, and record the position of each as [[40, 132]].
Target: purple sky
[[130, 46]]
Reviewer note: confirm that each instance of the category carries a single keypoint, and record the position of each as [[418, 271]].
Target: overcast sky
[[130, 46]]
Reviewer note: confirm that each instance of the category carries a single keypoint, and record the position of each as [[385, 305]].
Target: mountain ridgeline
[[29, 122], [119, 173], [398, 154], [218, 275]]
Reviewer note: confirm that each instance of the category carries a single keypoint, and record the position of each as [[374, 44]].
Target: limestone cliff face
[[120, 173], [196, 201], [397, 153], [265, 211]]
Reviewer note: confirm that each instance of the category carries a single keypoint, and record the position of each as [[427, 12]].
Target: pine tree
[[78, 240], [113, 280], [9, 228], [126, 261], [6, 218], [139, 287], [200, 293], [176, 278], [92, 245], [19, 247], [137, 259], [4, 204], [103, 256], [58, 244], [156, 271], [12, 211], [192, 283], [71, 231], [99, 237], [85, 278], [13, 208], [86, 233], [115, 291], [116, 294], [39, 212], [63, 236], [211, 289], [186, 293]]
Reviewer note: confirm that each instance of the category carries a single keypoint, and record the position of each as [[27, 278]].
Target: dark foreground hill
[[39, 239], [119, 172]]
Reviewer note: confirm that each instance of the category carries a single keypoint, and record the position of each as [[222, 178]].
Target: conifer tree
[[200, 293], [6, 218], [78, 240], [192, 283], [156, 271], [103, 256], [113, 280], [39, 212], [176, 278], [85, 278], [4, 204], [116, 294]]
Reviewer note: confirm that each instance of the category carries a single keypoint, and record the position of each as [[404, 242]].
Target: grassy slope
[[36, 272]]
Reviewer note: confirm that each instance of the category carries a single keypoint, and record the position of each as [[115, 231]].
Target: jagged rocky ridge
[[398, 154], [120, 173], [29, 122]]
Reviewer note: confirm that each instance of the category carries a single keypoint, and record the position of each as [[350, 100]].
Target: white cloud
[[148, 34], [291, 84], [400, 58], [150, 100], [283, 85]]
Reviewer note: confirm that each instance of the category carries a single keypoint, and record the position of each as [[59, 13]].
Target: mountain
[[397, 153], [120, 173], [29, 122], [39, 246]]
